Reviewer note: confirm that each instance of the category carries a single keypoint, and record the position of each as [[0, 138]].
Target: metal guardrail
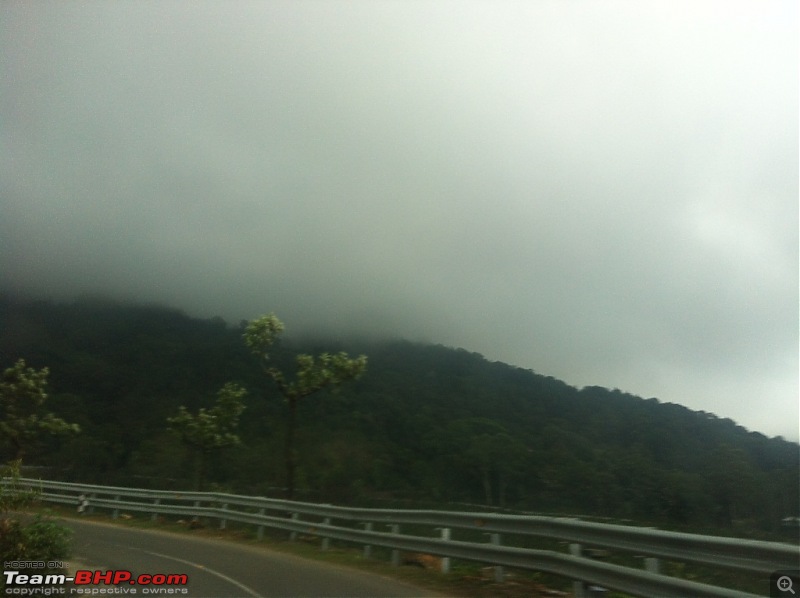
[[751, 555]]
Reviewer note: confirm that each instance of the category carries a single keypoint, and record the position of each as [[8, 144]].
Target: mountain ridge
[[427, 422]]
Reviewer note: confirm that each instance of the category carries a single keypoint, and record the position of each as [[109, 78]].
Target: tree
[[313, 374], [210, 430], [22, 413], [485, 450], [41, 540], [731, 483]]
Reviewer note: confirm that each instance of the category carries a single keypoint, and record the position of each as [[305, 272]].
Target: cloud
[[606, 193]]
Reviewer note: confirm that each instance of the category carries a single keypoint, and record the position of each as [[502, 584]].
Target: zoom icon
[[784, 583]]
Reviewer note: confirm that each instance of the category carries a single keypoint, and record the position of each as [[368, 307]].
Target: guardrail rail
[[358, 526]]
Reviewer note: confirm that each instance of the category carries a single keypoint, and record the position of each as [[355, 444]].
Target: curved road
[[217, 568]]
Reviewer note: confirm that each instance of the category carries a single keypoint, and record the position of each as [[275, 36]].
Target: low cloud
[[604, 193]]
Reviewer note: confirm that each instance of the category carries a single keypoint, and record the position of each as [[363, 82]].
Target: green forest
[[424, 425]]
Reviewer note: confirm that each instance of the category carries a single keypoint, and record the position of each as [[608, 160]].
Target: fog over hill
[[426, 425], [604, 192]]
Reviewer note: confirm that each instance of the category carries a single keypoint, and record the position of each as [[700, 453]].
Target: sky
[[601, 191]]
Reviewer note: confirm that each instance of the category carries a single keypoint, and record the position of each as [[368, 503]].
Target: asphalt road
[[217, 568]]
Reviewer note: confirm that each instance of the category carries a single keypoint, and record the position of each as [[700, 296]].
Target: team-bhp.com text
[[94, 582]]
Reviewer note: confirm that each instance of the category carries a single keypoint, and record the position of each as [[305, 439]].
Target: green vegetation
[[40, 539], [210, 430], [24, 422], [313, 375], [23, 418], [466, 579], [427, 426]]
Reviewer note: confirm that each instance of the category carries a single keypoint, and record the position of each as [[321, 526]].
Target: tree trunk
[[17, 448], [290, 456], [487, 485], [199, 469]]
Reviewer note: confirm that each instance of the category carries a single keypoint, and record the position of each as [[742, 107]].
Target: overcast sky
[[605, 192]]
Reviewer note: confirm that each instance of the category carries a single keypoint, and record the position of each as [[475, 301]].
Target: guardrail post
[[499, 572], [652, 565], [154, 516], [367, 547], [394, 528], [596, 554], [638, 578], [326, 542], [92, 496], [445, 535], [261, 527], [578, 587], [293, 533], [222, 521]]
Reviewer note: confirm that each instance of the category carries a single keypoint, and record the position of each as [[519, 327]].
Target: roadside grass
[[466, 579]]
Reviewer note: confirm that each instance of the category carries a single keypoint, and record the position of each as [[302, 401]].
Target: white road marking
[[203, 567]]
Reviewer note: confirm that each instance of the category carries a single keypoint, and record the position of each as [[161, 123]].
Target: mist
[[605, 193]]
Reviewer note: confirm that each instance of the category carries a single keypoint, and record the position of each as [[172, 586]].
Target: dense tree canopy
[[210, 430], [427, 425], [23, 416], [312, 374]]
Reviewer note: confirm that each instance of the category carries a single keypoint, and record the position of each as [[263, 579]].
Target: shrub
[[41, 539]]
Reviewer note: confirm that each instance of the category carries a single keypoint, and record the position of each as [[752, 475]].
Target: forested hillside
[[425, 425]]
